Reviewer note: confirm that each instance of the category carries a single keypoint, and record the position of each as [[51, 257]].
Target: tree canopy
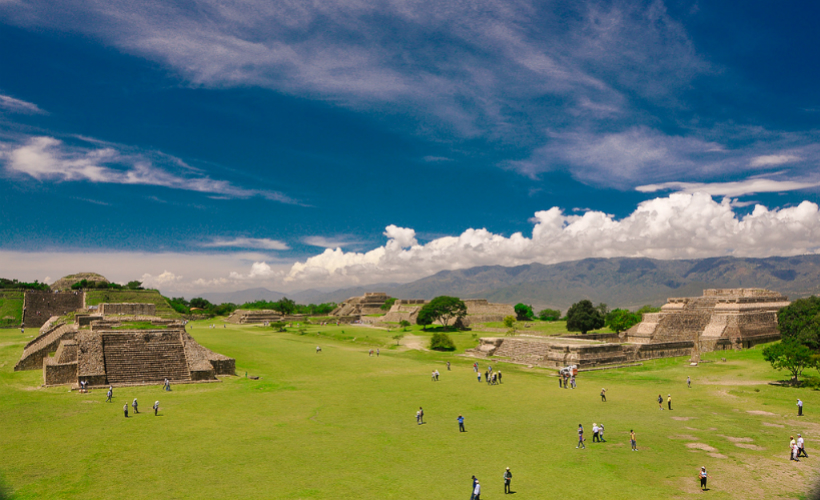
[[622, 319], [442, 342], [549, 314], [584, 317], [388, 304], [789, 354], [441, 309], [800, 320], [523, 312]]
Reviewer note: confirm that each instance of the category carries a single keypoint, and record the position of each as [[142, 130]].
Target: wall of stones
[[129, 308], [59, 374], [39, 348], [39, 306]]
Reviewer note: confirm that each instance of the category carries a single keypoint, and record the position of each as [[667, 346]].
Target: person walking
[[499, 376], [507, 481], [472, 488], [632, 440], [689, 382], [487, 376], [437, 375], [125, 409], [475, 369], [461, 424], [421, 414], [572, 382], [479, 376], [418, 417], [167, 385], [110, 395], [156, 407], [134, 405], [318, 349], [378, 351], [660, 402], [433, 376], [580, 437], [448, 366], [703, 477], [801, 447], [603, 395], [560, 380], [601, 433], [793, 449], [595, 438], [669, 401], [477, 491], [799, 408]]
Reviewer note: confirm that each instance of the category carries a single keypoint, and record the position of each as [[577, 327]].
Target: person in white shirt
[[801, 447], [799, 408], [477, 491], [595, 438]]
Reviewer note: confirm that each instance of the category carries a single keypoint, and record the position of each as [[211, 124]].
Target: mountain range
[[617, 282]]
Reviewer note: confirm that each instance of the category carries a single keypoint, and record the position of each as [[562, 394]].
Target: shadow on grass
[[6, 493]]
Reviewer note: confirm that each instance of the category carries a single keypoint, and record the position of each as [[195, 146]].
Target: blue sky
[[209, 145]]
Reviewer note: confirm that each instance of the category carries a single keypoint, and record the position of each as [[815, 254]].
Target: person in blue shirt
[[461, 424]]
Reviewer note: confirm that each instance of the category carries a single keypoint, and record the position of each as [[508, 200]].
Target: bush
[[524, 312], [388, 304], [549, 315], [509, 321], [584, 317], [442, 342]]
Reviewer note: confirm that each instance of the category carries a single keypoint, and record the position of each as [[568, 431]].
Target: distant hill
[[618, 282]]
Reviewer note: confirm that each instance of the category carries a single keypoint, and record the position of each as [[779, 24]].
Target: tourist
[[156, 407], [660, 402], [477, 491], [448, 366], [507, 480], [475, 367], [669, 401], [437, 375], [418, 417], [801, 447], [499, 376], [461, 424], [689, 382], [433, 376], [377, 352], [370, 352], [487, 376], [560, 380], [595, 438], [703, 478], [421, 414], [134, 405], [318, 349], [572, 382], [167, 385], [603, 395], [125, 409], [110, 395], [472, 488], [799, 408], [792, 449], [580, 437], [632, 440], [479, 376]]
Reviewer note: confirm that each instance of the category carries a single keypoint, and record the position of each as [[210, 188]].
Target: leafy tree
[[509, 321], [523, 312], [180, 305], [201, 303], [442, 342], [583, 317], [404, 324], [603, 309], [622, 319], [442, 309], [279, 325], [18, 285], [647, 309], [549, 315], [397, 337], [388, 304], [425, 318], [800, 320], [134, 285], [789, 354], [284, 306]]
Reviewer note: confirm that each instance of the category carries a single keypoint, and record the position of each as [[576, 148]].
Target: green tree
[[800, 320], [549, 315], [134, 285], [584, 317], [388, 304], [278, 325], [201, 303], [442, 342], [603, 309], [622, 319], [284, 306], [441, 309], [397, 337], [509, 321], [523, 312], [789, 354], [647, 309], [404, 324]]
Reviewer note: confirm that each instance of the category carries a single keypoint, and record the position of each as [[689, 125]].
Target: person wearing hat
[[156, 407], [477, 491], [125, 409], [801, 447], [134, 405], [507, 480], [793, 449], [669, 401], [703, 478]]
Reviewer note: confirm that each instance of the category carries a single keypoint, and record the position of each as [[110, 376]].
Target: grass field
[[340, 424], [11, 308]]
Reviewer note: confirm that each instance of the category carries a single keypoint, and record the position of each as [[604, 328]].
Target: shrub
[[549, 315], [442, 342]]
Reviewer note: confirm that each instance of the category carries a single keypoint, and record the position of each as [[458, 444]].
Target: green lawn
[[11, 308], [340, 425]]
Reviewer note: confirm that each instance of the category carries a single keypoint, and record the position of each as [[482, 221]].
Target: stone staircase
[[527, 351], [39, 348], [150, 356]]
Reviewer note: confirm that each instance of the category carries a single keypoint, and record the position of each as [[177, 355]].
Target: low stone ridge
[[129, 308]]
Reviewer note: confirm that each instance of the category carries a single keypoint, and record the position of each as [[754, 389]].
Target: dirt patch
[[683, 418], [90, 401], [414, 342], [684, 436], [691, 428], [750, 446], [701, 446], [737, 440], [767, 424], [761, 412], [717, 455]]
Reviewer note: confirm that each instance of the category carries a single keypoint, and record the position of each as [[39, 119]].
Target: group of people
[[668, 401], [136, 408], [492, 377], [377, 352], [435, 374], [597, 435], [566, 379], [475, 491], [797, 448]]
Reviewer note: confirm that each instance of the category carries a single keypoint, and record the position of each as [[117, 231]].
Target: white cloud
[[331, 242], [50, 159], [162, 280], [678, 226], [261, 243], [13, 105], [773, 160], [738, 188]]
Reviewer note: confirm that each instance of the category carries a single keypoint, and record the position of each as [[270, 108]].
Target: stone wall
[[128, 308], [39, 306], [476, 307], [39, 348], [55, 373], [254, 316]]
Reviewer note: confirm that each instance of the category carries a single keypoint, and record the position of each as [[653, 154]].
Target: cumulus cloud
[[261, 243], [739, 188], [259, 270], [681, 225], [10, 104], [49, 159], [161, 280]]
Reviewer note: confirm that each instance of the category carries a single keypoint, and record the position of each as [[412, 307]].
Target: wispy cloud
[[330, 242], [738, 188], [49, 159], [773, 160], [10, 104], [259, 243]]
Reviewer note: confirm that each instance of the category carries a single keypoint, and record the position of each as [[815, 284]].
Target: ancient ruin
[[369, 303], [39, 306], [721, 319], [478, 311], [120, 350]]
